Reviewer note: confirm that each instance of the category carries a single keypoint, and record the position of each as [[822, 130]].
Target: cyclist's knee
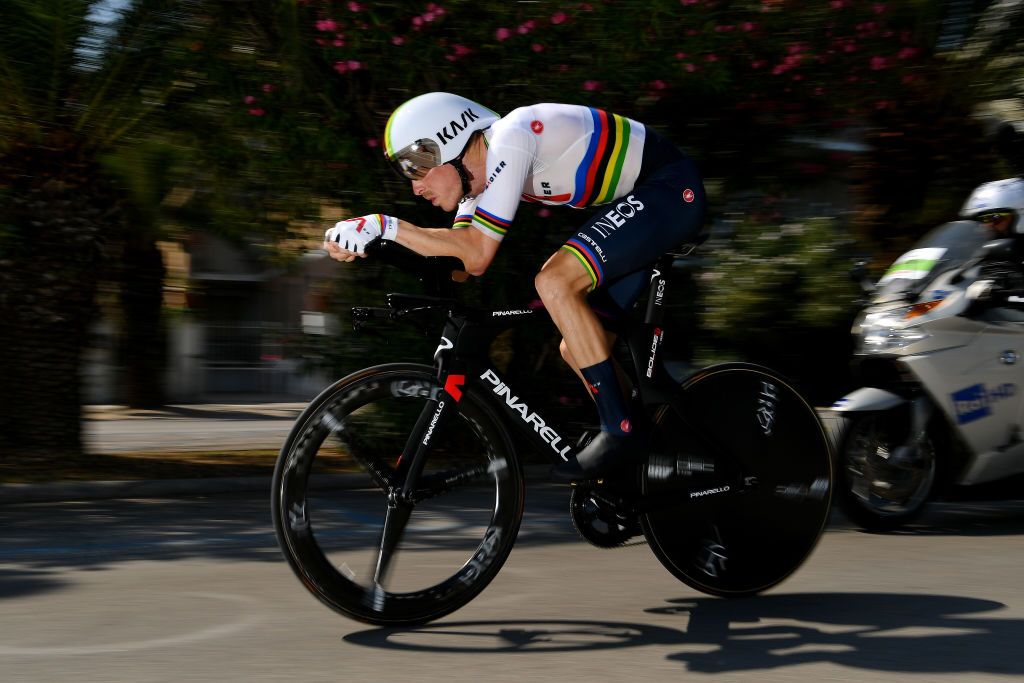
[[560, 278], [548, 285]]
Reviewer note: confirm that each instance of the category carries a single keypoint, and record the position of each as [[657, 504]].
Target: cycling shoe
[[603, 455]]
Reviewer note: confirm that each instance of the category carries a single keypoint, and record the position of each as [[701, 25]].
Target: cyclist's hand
[[348, 238]]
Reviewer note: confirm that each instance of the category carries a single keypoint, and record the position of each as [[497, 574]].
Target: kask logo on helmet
[[468, 117]]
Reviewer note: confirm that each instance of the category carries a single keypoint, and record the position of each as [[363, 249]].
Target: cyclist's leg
[[616, 243]]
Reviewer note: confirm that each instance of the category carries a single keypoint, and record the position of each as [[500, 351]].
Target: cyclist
[[461, 156]]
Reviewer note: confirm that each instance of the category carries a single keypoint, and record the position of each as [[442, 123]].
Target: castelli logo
[[537, 127], [688, 195]]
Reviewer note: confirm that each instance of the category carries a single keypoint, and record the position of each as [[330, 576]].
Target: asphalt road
[[194, 589]]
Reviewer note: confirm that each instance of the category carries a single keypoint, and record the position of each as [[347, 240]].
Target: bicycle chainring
[[598, 522]]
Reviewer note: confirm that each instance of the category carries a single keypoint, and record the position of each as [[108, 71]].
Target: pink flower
[[558, 18], [658, 85], [354, 7], [268, 88], [758, 64], [680, 55], [537, 47], [502, 34], [907, 53], [879, 8], [591, 85], [460, 50], [417, 21], [340, 67], [711, 58], [878, 63], [686, 3], [326, 25], [690, 68], [372, 143], [249, 99], [398, 40], [748, 26], [338, 42], [257, 112], [353, 65], [836, 4]]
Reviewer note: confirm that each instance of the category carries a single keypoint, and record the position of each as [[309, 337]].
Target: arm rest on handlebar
[[437, 273]]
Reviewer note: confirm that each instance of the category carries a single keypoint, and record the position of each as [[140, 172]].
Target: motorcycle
[[939, 354]]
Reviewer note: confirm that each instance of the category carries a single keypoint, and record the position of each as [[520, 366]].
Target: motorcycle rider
[[462, 156], [999, 205]]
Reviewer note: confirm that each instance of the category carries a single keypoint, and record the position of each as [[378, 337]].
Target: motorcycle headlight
[[887, 331]]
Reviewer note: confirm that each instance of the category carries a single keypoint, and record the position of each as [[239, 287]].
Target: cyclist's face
[[441, 186]]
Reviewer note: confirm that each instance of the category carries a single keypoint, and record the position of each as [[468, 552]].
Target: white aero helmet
[[431, 130], [995, 200]]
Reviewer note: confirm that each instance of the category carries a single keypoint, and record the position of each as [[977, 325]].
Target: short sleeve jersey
[[558, 154]]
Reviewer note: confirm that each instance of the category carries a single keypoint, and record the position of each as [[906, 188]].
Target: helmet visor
[[991, 217], [415, 160]]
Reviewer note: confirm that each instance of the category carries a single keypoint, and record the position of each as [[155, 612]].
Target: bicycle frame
[[462, 365]]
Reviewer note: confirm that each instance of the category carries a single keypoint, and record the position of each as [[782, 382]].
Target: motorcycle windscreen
[[947, 246]]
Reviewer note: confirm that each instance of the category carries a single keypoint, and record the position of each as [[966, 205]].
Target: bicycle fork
[[404, 493]]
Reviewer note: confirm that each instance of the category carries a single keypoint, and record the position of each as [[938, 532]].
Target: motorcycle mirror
[[859, 274]]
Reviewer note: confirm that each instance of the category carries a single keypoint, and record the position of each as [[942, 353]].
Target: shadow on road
[[874, 631], [19, 583], [477, 637], [969, 518]]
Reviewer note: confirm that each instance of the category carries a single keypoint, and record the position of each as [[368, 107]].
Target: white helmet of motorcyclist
[[431, 130], [997, 201]]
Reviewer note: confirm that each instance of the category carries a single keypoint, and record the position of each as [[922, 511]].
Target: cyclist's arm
[[473, 248]]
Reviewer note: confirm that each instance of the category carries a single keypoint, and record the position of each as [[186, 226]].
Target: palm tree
[[73, 89]]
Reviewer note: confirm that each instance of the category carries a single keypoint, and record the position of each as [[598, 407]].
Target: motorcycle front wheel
[[877, 491]]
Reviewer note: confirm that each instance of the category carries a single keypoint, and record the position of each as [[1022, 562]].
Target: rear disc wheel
[[756, 432]]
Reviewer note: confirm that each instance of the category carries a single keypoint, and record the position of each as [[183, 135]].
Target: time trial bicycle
[[732, 493]]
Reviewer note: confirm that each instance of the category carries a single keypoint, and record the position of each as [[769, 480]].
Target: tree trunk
[[53, 212], [143, 341]]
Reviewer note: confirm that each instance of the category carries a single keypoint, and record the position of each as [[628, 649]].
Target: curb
[[13, 494]]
